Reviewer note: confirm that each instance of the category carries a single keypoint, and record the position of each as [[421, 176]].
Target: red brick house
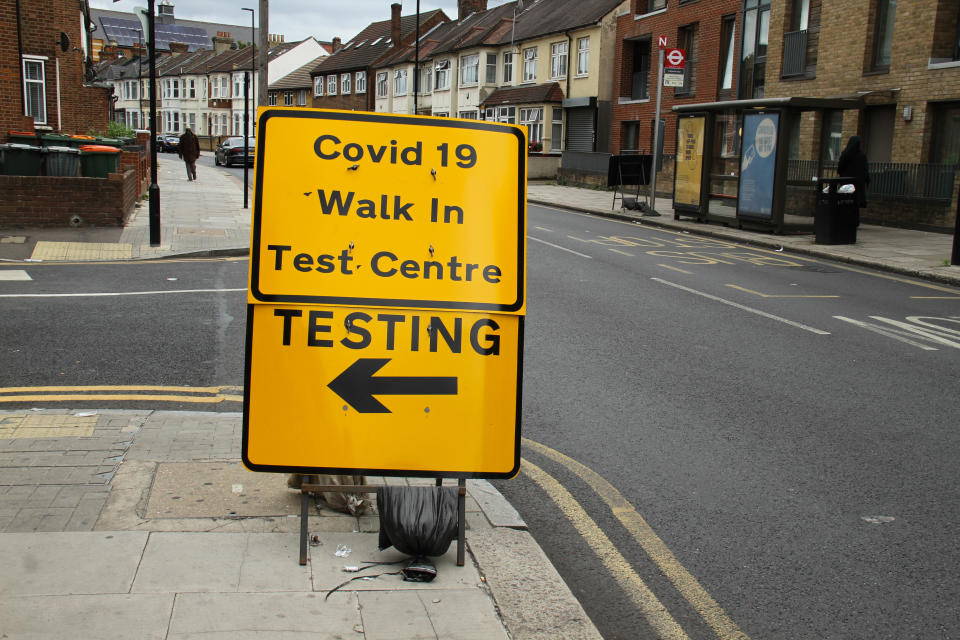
[[44, 55], [708, 31]]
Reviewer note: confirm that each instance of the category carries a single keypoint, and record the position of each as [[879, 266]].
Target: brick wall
[[707, 16], [45, 201]]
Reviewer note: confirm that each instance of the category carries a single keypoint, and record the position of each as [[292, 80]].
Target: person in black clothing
[[853, 164]]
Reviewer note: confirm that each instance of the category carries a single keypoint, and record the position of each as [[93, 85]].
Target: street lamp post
[[154, 187], [246, 110]]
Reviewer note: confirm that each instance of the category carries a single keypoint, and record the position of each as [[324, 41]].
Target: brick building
[[903, 63], [895, 68], [43, 62], [706, 30]]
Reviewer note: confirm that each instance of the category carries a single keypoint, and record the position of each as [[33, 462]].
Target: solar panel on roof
[[129, 32], [124, 32]]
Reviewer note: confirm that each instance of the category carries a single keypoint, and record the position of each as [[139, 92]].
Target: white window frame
[[556, 129], [508, 67], [442, 78], [558, 60], [383, 87], [583, 56], [238, 85], [331, 85], [318, 82], [301, 97], [470, 70], [345, 88], [507, 115], [360, 82], [469, 114], [532, 119], [288, 98], [490, 76], [272, 99], [191, 90], [530, 64], [399, 82]]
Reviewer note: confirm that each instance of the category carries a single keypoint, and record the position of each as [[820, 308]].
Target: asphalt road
[[105, 327], [786, 427], [776, 435]]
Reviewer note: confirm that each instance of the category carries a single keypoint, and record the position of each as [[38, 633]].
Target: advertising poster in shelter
[[758, 164], [689, 169]]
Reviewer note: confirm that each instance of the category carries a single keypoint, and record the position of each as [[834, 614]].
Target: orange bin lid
[[22, 133], [78, 136], [102, 148]]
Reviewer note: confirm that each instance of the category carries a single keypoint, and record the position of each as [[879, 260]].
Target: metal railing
[[889, 180], [794, 53]]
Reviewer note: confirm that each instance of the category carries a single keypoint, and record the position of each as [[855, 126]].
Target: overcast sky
[[295, 19]]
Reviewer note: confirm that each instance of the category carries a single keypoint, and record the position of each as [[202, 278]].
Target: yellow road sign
[[358, 208], [402, 391]]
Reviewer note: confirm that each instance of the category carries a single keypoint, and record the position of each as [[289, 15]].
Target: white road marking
[[556, 246], [116, 293], [743, 307], [14, 274]]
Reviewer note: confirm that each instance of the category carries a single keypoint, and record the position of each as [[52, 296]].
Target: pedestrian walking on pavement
[[189, 150], [853, 164]]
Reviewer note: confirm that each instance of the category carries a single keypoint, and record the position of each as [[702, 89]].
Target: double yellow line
[[618, 566], [122, 393]]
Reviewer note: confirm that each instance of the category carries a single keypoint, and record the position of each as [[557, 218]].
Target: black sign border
[[418, 473], [361, 116]]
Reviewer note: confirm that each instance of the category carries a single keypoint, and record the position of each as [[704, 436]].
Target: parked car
[[168, 143], [230, 151]]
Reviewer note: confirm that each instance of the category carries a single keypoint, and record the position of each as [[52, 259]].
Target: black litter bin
[[837, 214]]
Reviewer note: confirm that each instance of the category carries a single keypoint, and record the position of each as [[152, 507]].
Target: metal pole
[[656, 137], [262, 52], [416, 64], [154, 187], [955, 256], [246, 112]]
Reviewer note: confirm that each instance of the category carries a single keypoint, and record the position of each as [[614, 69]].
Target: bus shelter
[[741, 162]]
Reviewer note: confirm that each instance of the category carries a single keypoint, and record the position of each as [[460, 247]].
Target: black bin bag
[[418, 521]]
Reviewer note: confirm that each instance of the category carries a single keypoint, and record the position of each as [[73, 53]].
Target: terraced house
[[342, 80], [544, 64]]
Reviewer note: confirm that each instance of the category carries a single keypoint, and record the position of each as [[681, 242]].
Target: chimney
[[109, 52], [466, 7], [395, 23], [176, 48], [221, 44], [337, 43]]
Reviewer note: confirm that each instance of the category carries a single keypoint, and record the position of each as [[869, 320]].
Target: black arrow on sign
[[357, 386]]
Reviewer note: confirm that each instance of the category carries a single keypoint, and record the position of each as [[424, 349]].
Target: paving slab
[[217, 490], [98, 562], [221, 562], [255, 616], [410, 615], [104, 617]]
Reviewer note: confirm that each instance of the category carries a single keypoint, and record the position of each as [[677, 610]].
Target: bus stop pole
[[656, 137]]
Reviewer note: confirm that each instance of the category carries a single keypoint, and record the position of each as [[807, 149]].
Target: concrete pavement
[[144, 524]]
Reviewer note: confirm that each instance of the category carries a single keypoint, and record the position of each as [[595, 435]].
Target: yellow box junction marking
[[387, 210], [382, 390]]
